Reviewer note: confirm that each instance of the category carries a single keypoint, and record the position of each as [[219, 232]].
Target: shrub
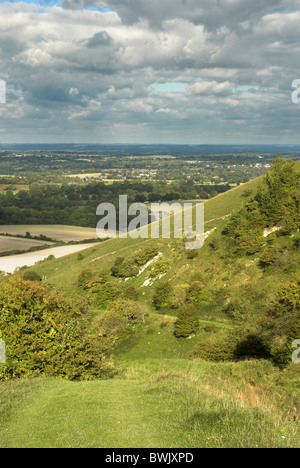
[[124, 268], [162, 296], [281, 324], [129, 267], [196, 293], [120, 315], [143, 256], [210, 329], [47, 335], [297, 243], [51, 257], [107, 292], [192, 254], [84, 276], [187, 323], [270, 256], [235, 309], [160, 268], [177, 297], [90, 280], [250, 243], [31, 276], [221, 346], [131, 293], [214, 243]]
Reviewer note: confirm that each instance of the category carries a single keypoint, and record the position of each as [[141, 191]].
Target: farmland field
[[15, 243], [56, 232], [9, 264]]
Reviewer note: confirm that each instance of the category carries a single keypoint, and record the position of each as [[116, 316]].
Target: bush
[[162, 296], [107, 292], [144, 256], [124, 268], [130, 266], [196, 293], [31, 276], [46, 335], [280, 326], [51, 257], [131, 293], [84, 276], [192, 254], [220, 346], [214, 243], [250, 243], [160, 268], [92, 281], [297, 243], [187, 323], [120, 315], [236, 308], [270, 256]]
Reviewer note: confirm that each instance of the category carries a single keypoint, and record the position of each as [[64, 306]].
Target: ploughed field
[[14, 243], [56, 232]]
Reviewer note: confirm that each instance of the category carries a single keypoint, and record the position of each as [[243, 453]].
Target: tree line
[[74, 204]]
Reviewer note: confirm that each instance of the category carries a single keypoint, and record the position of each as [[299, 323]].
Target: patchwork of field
[[56, 232], [8, 244]]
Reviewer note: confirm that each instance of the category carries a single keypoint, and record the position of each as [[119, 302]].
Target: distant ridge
[[130, 149]]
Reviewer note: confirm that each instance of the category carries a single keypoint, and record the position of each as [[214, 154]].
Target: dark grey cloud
[[99, 39], [212, 13]]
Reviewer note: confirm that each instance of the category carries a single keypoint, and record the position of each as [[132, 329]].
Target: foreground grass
[[154, 404], [159, 399]]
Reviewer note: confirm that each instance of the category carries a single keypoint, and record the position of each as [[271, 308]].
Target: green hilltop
[[196, 346]]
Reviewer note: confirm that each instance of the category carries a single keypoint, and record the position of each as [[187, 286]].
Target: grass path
[[153, 404], [94, 414]]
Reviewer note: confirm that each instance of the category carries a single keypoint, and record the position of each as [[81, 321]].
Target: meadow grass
[[156, 404], [159, 399]]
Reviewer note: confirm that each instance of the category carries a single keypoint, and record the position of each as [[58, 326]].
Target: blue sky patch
[[171, 87]]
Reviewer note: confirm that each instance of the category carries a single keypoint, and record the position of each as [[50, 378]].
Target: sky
[[149, 72]]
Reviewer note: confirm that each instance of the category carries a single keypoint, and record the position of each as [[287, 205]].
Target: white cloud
[[96, 69], [208, 88]]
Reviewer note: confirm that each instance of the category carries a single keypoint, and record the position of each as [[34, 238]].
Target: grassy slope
[[155, 403], [65, 271], [160, 398], [223, 273]]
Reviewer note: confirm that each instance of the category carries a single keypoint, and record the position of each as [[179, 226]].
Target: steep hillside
[[201, 340], [227, 276], [64, 272]]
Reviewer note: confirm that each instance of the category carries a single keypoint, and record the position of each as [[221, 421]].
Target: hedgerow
[[46, 335]]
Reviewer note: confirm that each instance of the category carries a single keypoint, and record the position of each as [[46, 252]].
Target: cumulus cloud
[[209, 87], [99, 39], [181, 70]]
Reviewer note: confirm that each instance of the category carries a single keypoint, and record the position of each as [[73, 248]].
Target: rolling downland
[[161, 396]]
